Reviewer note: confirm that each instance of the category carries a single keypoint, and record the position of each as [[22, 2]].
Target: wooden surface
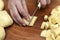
[[16, 32]]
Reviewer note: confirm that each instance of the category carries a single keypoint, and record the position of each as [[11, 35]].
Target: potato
[[56, 31], [1, 5], [46, 25], [56, 10], [32, 22], [2, 33], [43, 33], [58, 38], [49, 38], [46, 17], [5, 19], [47, 33], [43, 25], [55, 15], [53, 26]]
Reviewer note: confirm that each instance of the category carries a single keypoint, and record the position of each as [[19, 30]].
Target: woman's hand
[[18, 8], [44, 2]]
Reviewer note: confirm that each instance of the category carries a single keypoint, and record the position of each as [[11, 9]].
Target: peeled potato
[[43, 25], [43, 33], [2, 33], [55, 15], [56, 31], [46, 17], [49, 38], [58, 38], [5, 19], [32, 21], [53, 26], [1, 4]]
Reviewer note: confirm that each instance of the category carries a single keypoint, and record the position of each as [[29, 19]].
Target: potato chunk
[[5, 19], [32, 22], [1, 5], [2, 33]]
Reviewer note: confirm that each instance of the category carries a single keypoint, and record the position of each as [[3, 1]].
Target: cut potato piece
[[58, 38], [32, 22], [56, 10], [43, 33], [2, 33], [53, 26], [49, 38], [56, 31], [1, 5], [55, 15], [46, 17], [5, 19], [43, 25], [46, 25], [47, 33]]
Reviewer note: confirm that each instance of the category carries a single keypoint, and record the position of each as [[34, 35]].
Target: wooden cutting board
[[16, 32]]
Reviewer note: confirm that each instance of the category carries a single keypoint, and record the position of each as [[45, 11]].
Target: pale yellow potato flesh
[[42, 25], [52, 30], [1, 5], [5, 19], [32, 21], [43, 33], [2, 33], [49, 38], [56, 31], [46, 17], [58, 38], [55, 15]]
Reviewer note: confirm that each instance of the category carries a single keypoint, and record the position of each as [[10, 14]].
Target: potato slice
[[1, 5], [43, 33], [47, 33], [53, 26], [2, 33], [5, 19], [46, 25], [43, 25], [55, 15], [32, 22]]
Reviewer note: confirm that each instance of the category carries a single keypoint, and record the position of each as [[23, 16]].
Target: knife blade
[[35, 11]]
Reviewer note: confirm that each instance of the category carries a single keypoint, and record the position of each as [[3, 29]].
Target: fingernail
[[24, 24]]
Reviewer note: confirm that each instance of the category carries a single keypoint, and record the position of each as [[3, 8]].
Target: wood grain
[[16, 32]]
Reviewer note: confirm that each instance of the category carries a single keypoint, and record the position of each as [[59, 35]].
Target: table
[[16, 32]]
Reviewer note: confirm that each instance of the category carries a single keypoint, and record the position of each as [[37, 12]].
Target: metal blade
[[35, 11]]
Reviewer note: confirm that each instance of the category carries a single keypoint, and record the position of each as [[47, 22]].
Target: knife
[[35, 11]]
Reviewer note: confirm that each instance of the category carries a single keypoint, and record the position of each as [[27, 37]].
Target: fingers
[[15, 15], [22, 10], [25, 7], [48, 2], [44, 3]]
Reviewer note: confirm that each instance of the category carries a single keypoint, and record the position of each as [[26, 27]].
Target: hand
[[44, 2], [18, 8]]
